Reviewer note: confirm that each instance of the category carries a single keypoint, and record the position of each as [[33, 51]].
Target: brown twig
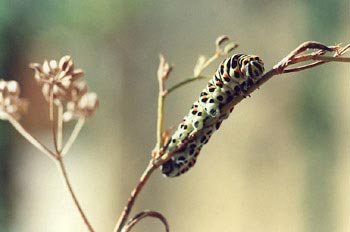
[[59, 126], [52, 120], [71, 192], [281, 67], [77, 128], [147, 213], [163, 73], [184, 82], [135, 192], [293, 57], [31, 139]]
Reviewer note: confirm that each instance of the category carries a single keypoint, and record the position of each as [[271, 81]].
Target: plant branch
[[70, 190], [162, 156], [31, 139], [184, 82], [210, 60], [203, 63], [279, 68], [136, 191], [59, 126], [163, 73], [77, 128], [147, 213], [52, 120]]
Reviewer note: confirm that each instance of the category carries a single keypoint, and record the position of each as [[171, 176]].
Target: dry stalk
[[161, 156], [60, 89]]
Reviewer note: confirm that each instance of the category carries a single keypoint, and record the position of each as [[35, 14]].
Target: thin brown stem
[[160, 121], [52, 120], [199, 76], [143, 180], [184, 82], [31, 139], [163, 73], [303, 67], [71, 192], [336, 59], [163, 156], [148, 213], [59, 126], [279, 68], [209, 61], [77, 128]]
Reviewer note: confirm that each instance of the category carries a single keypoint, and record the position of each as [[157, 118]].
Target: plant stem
[[29, 137], [209, 61], [77, 128], [336, 59], [70, 190], [53, 127], [125, 214], [144, 214], [59, 126], [184, 82], [160, 120]]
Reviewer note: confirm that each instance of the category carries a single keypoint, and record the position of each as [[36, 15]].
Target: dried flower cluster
[[59, 80], [10, 102]]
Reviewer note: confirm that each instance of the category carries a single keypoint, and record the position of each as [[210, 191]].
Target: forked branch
[[160, 156]]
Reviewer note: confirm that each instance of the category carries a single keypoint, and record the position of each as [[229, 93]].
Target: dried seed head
[[84, 107], [10, 103], [57, 77]]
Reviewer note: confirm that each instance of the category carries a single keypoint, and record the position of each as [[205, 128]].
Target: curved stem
[[31, 139], [77, 128], [70, 190], [125, 214], [144, 214]]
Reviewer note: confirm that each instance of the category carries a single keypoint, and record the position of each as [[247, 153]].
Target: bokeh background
[[281, 162]]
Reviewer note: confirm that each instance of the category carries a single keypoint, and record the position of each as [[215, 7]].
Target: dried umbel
[[10, 102], [81, 108], [57, 78], [59, 81]]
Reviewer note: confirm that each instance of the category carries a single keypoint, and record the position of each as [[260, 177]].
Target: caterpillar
[[234, 76]]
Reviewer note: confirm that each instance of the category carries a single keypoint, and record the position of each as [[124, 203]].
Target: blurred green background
[[279, 163]]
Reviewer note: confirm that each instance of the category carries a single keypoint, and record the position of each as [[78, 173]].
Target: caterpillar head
[[253, 67]]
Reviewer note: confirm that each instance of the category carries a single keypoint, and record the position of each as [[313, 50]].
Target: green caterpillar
[[233, 77]]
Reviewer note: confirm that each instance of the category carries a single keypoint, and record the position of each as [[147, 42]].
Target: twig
[[77, 128], [184, 82], [202, 66], [163, 73], [136, 191], [336, 59], [59, 126], [70, 190], [31, 139], [52, 120], [217, 54], [147, 213], [279, 68]]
